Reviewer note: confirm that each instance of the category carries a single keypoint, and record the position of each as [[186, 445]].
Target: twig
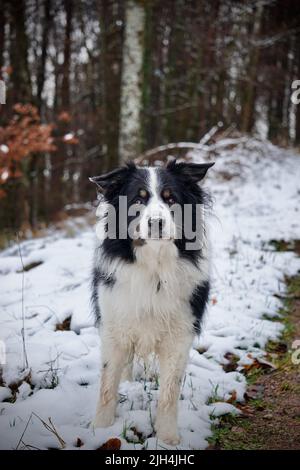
[[206, 138], [29, 446], [21, 438], [25, 358], [171, 146], [163, 112], [51, 428], [287, 296]]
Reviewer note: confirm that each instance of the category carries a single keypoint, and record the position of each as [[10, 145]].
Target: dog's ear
[[194, 172], [112, 180]]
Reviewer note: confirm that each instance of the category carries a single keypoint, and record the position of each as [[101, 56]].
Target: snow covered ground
[[256, 188]]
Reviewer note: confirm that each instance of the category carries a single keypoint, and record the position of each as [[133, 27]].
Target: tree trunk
[[131, 90], [250, 89], [111, 41], [2, 48], [65, 86], [20, 89], [63, 103], [2, 33], [297, 77], [297, 136], [44, 46]]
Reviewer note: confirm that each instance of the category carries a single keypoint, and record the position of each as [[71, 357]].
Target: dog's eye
[[167, 196], [171, 201], [139, 201], [143, 193]]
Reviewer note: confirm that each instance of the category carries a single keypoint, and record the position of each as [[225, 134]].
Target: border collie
[[149, 287]]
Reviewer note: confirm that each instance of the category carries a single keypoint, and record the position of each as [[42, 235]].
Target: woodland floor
[[271, 416]]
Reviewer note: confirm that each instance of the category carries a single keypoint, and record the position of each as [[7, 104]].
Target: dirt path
[[271, 415]]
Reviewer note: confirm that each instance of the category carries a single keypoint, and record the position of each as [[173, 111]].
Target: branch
[[149, 154], [23, 311], [206, 138], [173, 146]]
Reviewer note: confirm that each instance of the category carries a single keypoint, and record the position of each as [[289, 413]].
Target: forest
[[66, 69]]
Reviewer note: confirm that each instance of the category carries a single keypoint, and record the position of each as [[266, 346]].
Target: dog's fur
[[149, 295]]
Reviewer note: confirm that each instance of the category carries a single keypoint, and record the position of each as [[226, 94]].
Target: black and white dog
[[150, 284]]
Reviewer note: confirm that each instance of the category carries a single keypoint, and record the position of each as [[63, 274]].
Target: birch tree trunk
[[131, 88], [111, 53]]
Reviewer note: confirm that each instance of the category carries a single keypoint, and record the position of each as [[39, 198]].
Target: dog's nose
[[157, 223]]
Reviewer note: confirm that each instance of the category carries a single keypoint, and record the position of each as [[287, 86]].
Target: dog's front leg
[[173, 355], [113, 362]]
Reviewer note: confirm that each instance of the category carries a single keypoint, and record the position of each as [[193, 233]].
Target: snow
[[259, 204], [4, 175], [4, 148], [68, 136]]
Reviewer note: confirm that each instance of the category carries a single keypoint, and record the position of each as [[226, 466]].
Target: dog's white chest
[[150, 297]]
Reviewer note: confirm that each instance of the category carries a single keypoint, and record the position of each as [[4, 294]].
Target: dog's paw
[[103, 419], [166, 429], [169, 437]]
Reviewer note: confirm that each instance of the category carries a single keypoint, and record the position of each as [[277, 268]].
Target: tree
[[20, 90], [63, 92], [2, 34], [251, 86], [41, 72], [110, 45], [131, 87]]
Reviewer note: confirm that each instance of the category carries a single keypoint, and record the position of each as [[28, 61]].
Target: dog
[[149, 287]]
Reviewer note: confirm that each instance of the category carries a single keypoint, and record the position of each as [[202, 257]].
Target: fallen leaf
[[111, 444], [79, 442], [233, 397]]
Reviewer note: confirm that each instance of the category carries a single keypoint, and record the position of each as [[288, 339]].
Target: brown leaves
[[258, 363], [111, 444], [64, 117], [233, 397], [79, 442], [24, 135], [232, 362], [65, 325]]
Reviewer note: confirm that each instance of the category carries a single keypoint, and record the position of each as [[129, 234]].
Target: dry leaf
[[111, 444]]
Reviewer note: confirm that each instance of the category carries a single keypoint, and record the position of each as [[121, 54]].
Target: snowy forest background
[[198, 64]]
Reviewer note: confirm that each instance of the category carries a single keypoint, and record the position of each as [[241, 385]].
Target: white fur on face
[[156, 209]]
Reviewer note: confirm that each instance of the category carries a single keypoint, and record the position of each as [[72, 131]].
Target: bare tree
[[41, 73], [131, 88], [250, 88], [110, 46]]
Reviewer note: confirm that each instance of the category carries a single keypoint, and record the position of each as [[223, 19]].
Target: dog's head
[[160, 202]]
